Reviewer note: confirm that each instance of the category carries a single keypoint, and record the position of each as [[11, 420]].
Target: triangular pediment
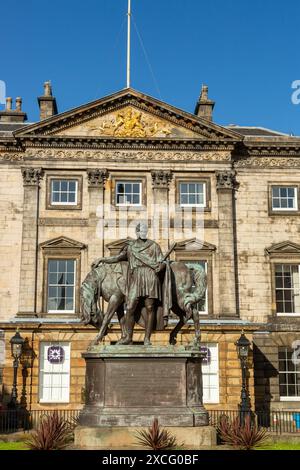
[[62, 242], [118, 244], [193, 244], [128, 114], [285, 247]]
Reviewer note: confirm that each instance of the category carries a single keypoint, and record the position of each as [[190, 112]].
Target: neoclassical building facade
[[74, 185]]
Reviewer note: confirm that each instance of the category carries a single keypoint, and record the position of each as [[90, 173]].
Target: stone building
[[71, 185]]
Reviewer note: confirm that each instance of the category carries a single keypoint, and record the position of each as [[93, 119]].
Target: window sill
[[284, 212], [45, 402], [60, 207], [61, 312], [289, 398], [288, 315]]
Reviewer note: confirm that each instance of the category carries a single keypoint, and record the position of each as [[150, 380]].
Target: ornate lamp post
[[16, 344], [243, 347]]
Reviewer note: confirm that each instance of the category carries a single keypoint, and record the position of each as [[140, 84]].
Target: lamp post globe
[[16, 344], [243, 349]]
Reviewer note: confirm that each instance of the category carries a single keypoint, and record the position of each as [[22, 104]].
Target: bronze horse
[[109, 282]]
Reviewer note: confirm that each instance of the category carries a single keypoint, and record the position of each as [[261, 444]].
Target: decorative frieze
[[11, 157], [32, 176], [161, 179], [97, 178], [119, 155], [226, 179], [267, 162]]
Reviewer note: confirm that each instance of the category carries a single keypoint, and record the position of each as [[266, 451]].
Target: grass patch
[[281, 446], [19, 445]]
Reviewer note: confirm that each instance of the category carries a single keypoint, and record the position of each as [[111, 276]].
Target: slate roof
[[253, 131], [7, 128]]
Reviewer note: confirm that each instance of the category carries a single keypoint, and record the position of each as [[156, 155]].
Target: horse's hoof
[[195, 344], [92, 345], [173, 341], [147, 342], [125, 341]]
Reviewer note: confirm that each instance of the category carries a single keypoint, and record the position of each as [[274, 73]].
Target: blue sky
[[246, 51]]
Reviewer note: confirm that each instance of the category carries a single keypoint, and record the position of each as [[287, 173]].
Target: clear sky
[[246, 51]]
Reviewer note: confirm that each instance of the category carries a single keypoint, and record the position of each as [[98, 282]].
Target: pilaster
[[28, 273], [226, 185], [96, 187]]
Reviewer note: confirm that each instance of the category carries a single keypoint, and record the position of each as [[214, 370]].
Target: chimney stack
[[47, 103], [13, 115], [204, 107]]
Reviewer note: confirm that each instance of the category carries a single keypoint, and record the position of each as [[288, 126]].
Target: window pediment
[[117, 246], [62, 243], [285, 247], [193, 244]]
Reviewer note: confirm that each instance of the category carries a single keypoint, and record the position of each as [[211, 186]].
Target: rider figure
[[145, 262]]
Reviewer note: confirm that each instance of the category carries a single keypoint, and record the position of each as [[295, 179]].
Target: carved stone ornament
[[97, 178], [267, 162], [32, 176], [126, 155], [131, 123], [226, 179], [161, 179], [12, 157]]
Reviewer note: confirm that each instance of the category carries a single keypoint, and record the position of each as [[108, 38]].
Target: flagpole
[[128, 42]]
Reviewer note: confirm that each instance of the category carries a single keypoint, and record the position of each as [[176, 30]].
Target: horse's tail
[[199, 281], [89, 294]]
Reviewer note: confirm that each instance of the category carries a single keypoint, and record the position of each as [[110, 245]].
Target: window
[[54, 378], [284, 198], [61, 285], [289, 375], [128, 193], [203, 304], [61, 259], [287, 289], [210, 374], [64, 192], [192, 194]]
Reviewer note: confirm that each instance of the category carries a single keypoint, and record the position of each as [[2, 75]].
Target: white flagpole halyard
[[128, 42]]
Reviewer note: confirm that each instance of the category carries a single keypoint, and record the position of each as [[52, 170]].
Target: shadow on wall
[[24, 385], [263, 372]]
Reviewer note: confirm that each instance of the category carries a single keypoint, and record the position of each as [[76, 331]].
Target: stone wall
[[11, 214], [256, 231]]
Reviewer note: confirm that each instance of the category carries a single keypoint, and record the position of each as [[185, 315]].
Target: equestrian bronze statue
[[142, 286]]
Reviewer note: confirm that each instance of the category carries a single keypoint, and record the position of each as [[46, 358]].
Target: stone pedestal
[[128, 386], [131, 385], [124, 437]]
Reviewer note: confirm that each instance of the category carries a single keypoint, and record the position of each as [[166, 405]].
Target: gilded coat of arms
[[131, 123]]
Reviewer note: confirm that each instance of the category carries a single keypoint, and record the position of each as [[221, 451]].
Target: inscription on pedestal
[[135, 383]]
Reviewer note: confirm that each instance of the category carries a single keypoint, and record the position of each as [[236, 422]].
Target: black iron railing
[[279, 422], [23, 420]]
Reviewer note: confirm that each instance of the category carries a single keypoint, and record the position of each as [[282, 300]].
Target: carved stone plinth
[[131, 385]]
